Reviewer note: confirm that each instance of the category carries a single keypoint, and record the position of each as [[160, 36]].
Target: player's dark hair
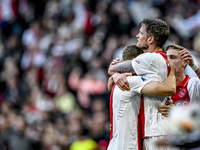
[[158, 29]]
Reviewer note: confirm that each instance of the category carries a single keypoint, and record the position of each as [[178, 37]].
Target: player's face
[[176, 60], [142, 39]]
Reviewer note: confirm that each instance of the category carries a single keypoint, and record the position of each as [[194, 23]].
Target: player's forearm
[[166, 88], [110, 84], [169, 84], [157, 88], [122, 67]]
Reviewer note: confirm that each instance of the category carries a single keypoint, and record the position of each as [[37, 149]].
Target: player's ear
[[151, 39], [121, 60]]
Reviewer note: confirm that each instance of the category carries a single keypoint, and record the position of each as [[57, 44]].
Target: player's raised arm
[[186, 56]]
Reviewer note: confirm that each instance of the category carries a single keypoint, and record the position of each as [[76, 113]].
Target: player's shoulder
[[161, 52], [148, 55], [194, 79], [193, 82]]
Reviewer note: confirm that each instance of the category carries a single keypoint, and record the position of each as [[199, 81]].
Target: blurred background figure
[[183, 130], [84, 144]]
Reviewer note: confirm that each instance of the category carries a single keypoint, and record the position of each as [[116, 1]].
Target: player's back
[[125, 110]]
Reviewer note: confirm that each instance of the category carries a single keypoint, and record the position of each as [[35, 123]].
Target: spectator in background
[[17, 139], [84, 144], [196, 56]]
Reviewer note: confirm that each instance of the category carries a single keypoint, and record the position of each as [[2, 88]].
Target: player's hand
[[121, 81], [171, 66], [115, 61], [164, 109], [187, 56], [169, 102]]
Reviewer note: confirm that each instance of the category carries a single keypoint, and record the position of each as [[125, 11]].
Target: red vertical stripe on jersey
[[142, 117], [139, 132], [165, 57], [111, 112]]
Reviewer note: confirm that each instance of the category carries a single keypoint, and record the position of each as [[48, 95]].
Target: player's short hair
[[130, 52], [158, 29], [174, 46]]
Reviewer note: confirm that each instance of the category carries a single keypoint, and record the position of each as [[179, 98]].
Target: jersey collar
[[161, 52], [184, 82]]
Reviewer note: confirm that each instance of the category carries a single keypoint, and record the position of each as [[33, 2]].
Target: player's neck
[[153, 49], [180, 78]]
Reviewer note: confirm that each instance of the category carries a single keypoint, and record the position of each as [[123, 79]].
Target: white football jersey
[[194, 90], [155, 67], [151, 65], [187, 92], [124, 110]]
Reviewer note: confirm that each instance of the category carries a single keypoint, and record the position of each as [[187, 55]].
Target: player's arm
[[122, 67], [116, 67], [119, 80], [166, 88], [186, 56], [110, 84]]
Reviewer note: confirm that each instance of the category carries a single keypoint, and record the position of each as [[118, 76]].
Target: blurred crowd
[[54, 56]]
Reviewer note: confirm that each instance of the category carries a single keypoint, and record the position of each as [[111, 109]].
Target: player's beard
[[144, 47]]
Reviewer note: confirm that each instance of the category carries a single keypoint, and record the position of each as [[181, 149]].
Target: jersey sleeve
[[136, 83], [151, 66], [193, 89], [142, 63]]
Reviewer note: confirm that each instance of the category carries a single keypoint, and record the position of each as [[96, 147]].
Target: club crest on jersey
[[182, 93], [137, 61]]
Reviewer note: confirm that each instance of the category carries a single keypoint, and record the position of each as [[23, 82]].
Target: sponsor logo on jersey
[[137, 61], [182, 103], [143, 79]]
